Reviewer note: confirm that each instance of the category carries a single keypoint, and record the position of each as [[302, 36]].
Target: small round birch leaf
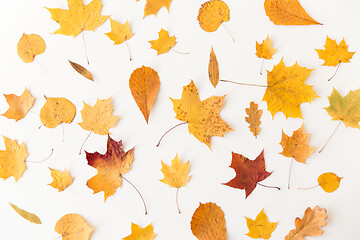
[[73, 227], [81, 70], [28, 216], [29, 46], [329, 182], [212, 13], [56, 111]]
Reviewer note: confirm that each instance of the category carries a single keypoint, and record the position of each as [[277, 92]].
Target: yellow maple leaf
[[12, 160], [213, 13], [138, 233], [78, 18], [119, 32], [164, 43], [98, 118], [334, 54], [265, 49], [254, 115], [286, 89], [260, 227], [153, 6], [73, 227], [176, 175], [18, 105], [56, 111], [29, 46], [202, 117], [61, 179]]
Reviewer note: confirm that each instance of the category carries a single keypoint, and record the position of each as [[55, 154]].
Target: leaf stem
[[177, 202], [157, 145], [63, 131], [291, 164], [86, 55], [146, 211], [52, 151], [262, 65], [228, 32], [82, 145], [128, 49], [179, 52], [335, 71], [245, 84], [330, 137], [42, 69], [267, 186], [310, 187]]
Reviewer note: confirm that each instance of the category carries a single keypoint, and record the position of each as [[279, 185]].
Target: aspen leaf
[[260, 227], [334, 53], [18, 105], [144, 85], [310, 225], [153, 6], [287, 12], [213, 69], [208, 222], [61, 179], [81, 70], [98, 118], [73, 227], [265, 49], [119, 32], [213, 13], [56, 111], [254, 115], [78, 18], [110, 166], [329, 182], [164, 43], [12, 160], [28, 216], [138, 233], [29, 46], [202, 117]]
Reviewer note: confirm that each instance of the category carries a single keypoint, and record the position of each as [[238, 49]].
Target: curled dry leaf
[[138, 233], [213, 13], [28, 216], [260, 227], [56, 111], [73, 227], [329, 182], [208, 222], [18, 105], [265, 49], [119, 32], [164, 43], [334, 53], [153, 6], [81, 70], [29, 46], [61, 179], [213, 68], [254, 115]]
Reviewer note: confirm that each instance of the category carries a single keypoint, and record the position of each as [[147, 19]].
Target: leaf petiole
[[157, 145], [146, 211]]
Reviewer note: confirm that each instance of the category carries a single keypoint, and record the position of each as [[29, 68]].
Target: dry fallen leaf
[[18, 105], [164, 43], [138, 233], [153, 6], [208, 222], [119, 32], [61, 179], [73, 227], [12, 160], [213, 13], [213, 69], [98, 118], [265, 49], [260, 227], [254, 115], [29, 46], [202, 117], [287, 12], [310, 225], [335, 54], [110, 166], [144, 85], [329, 182], [57, 111], [28, 216], [81, 70]]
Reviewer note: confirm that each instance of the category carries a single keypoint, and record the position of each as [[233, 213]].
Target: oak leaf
[[98, 118], [310, 225], [254, 115], [12, 160], [153, 6], [78, 18], [329, 182], [18, 105], [138, 233], [144, 85], [287, 12], [28, 216], [286, 89], [334, 53], [248, 172], [110, 166], [57, 111], [73, 227], [260, 227], [202, 117], [81, 70], [61, 179], [119, 32], [213, 69], [213, 13], [164, 43], [29, 46], [265, 49], [208, 222]]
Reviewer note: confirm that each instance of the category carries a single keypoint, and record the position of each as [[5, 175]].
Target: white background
[[111, 68]]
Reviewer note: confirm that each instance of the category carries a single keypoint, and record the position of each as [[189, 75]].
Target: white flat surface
[[209, 169]]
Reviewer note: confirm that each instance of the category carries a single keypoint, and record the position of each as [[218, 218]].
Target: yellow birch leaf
[[28, 216], [56, 111], [18, 105], [260, 227], [81, 70], [73, 227], [61, 179], [213, 13], [119, 32], [334, 53], [29, 46], [164, 43], [153, 6], [213, 69], [138, 233], [265, 49], [329, 182]]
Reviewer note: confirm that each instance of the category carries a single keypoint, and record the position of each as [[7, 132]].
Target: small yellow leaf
[[18, 105], [329, 182], [73, 227], [164, 43], [56, 111], [29, 46], [254, 115], [28, 216], [265, 49], [213, 13], [176, 175], [153, 6], [138, 233], [119, 32], [213, 69], [61, 180], [81, 70], [334, 53], [260, 227]]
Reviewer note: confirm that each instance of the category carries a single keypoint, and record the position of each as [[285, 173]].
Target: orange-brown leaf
[[81, 70], [254, 115], [18, 105], [265, 49], [213, 13], [213, 68], [29, 46]]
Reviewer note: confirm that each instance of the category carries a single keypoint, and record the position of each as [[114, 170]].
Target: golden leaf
[[287, 12], [138, 233], [254, 115], [213, 69], [176, 175], [213, 13], [202, 117], [78, 18], [119, 32], [18, 105], [265, 49], [260, 227], [61, 179], [98, 118], [28, 216], [73, 227], [153, 6], [56, 111], [12, 161], [334, 54], [164, 43], [81, 70], [329, 182], [29, 46]]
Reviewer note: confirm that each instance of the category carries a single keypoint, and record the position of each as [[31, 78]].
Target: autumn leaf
[[29, 46], [28, 216], [164, 43], [19, 106], [81, 70], [335, 54], [12, 160], [153, 6], [260, 227], [286, 89], [329, 182], [138, 233], [213, 13], [213, 69], [73, 227], [310, 225], [265, 49], [254, 115], [61, 179], [208, 222], [57, 111], [98, 118], [110, 166], [287, 12], [202, 117], [248, 172], [119, 32]]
